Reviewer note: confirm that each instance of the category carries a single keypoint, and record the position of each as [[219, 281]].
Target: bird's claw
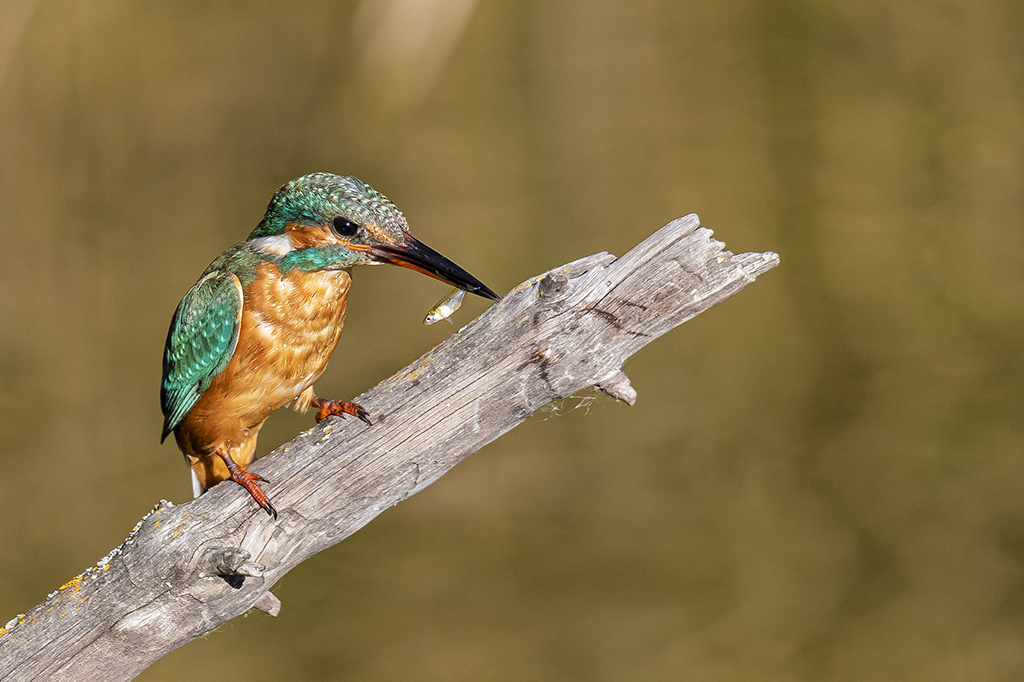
[[339, 408], [249, 480]]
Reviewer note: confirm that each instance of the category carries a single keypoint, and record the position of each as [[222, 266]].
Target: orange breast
[[290, 326]]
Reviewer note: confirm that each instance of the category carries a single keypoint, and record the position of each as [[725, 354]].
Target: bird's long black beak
[[416, 255]]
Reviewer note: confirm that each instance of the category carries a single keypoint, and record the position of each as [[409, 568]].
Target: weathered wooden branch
[[187, 568]]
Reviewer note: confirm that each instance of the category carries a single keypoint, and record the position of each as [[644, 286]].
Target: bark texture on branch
[[187, 568]]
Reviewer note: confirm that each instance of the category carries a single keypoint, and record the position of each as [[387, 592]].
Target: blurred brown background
[[822, 478]]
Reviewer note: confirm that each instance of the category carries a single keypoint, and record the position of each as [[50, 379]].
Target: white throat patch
[[278, 244]]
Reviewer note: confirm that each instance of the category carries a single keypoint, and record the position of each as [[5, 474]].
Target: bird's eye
[[345, 227]]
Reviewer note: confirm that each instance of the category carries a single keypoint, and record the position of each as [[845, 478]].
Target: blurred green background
[[822, 478]]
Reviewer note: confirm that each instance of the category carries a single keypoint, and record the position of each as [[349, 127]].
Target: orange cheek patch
[[306, 236]]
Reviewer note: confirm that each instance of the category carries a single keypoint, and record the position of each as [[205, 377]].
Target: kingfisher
[[258, 328]]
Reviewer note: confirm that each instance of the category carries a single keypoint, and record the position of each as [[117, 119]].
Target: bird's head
[[324, 221]]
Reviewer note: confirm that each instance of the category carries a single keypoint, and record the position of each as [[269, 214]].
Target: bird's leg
[[247, 480], [338, 408]]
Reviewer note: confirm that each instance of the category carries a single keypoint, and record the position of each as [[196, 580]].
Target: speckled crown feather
[[319, 197]]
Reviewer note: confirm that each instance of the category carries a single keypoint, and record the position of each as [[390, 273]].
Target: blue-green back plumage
[[200, 342]]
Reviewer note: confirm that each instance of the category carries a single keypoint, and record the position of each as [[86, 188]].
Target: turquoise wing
[[200, 343]]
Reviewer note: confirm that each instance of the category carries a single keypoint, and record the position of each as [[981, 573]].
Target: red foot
[[248, 480], [339, 409]]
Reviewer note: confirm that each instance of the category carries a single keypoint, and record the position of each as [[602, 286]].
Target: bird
[[258, 328]]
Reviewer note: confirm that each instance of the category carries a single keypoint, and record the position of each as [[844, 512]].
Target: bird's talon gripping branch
[[339, 408], [248, 480]]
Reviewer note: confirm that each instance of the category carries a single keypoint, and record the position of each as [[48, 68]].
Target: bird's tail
[[197, 487]]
